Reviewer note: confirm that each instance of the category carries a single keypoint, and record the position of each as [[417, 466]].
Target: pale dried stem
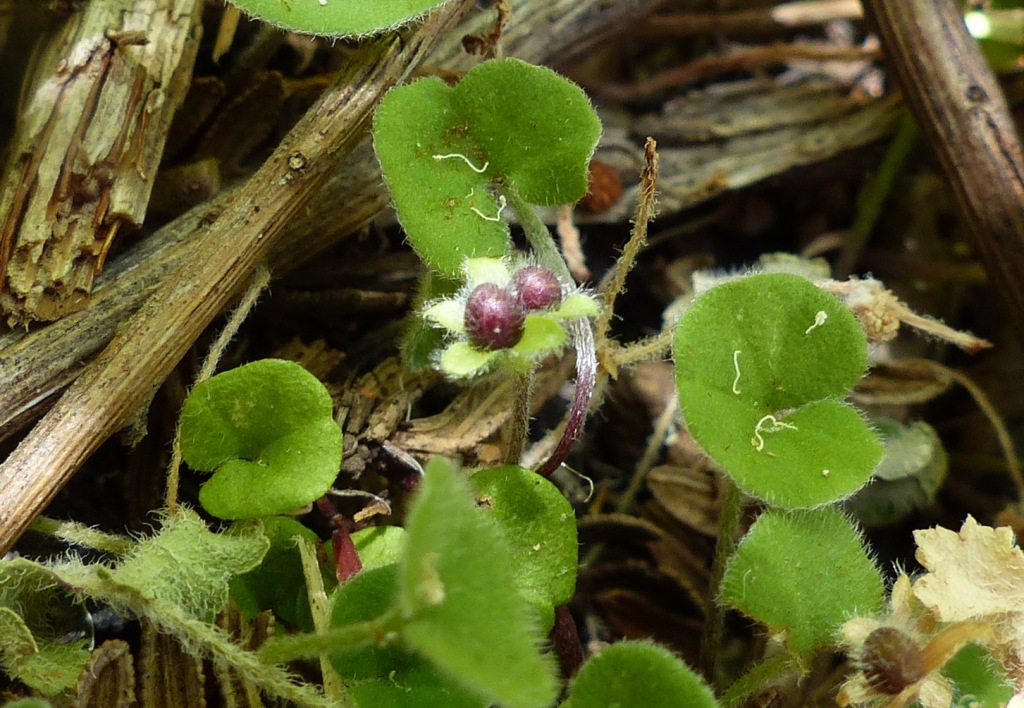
[[1006, 443], [637, 240], [569, 240]]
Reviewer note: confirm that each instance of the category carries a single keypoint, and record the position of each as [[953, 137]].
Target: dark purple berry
[[494, 317], [537, 287]]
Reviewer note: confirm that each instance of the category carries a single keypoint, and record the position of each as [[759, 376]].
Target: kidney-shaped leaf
[[762, 365], [267, 432], [337, 18], [540, 527], [803, 573], [638, 674], [443, 150]]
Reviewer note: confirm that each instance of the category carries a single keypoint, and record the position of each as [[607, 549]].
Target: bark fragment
[[87, 146]]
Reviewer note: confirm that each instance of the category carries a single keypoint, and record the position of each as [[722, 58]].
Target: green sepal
[[577, 305], [461, 360]]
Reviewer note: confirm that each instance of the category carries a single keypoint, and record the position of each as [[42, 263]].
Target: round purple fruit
[[537, 287], [494, 317]]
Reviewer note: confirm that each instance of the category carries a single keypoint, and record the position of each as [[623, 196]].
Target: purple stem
[[582, 337], [565, 640]]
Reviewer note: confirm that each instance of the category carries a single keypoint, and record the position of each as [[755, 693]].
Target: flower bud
[[891, 661], [494, 317], [537, 288]]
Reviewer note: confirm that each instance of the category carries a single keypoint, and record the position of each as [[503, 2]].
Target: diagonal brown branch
[[963, 113]]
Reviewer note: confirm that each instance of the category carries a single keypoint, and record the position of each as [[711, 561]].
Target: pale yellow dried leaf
[[975, 573]]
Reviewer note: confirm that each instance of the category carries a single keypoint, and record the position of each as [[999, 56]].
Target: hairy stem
[[714, 624]]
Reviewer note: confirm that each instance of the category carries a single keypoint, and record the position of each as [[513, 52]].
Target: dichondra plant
[[453, 607]]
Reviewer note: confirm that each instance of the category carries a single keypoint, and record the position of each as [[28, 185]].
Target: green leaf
[[369, 594], [762, 364], [379, 546], [35, 612], [539, 525], [577, 305], [638, 674], [979, 679], [908, 477], [444, 150], [455, 585], [337, 18], [418, 686], [802, 573], [189, 566], [277, 584], [268, 433]]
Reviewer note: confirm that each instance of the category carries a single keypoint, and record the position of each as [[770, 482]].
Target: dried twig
[[962, 112], [87, 148], [740, 59]]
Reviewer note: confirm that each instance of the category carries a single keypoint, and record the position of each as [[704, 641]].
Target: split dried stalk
[[962, 112], [130, 369], [87, 148]]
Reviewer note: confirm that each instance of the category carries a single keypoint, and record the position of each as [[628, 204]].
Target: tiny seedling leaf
[[802, 573], [638, 674], [277, 584], [267, 432], [444, 151], [455, 584], [762, 366], [539, 526], [337, 18]]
